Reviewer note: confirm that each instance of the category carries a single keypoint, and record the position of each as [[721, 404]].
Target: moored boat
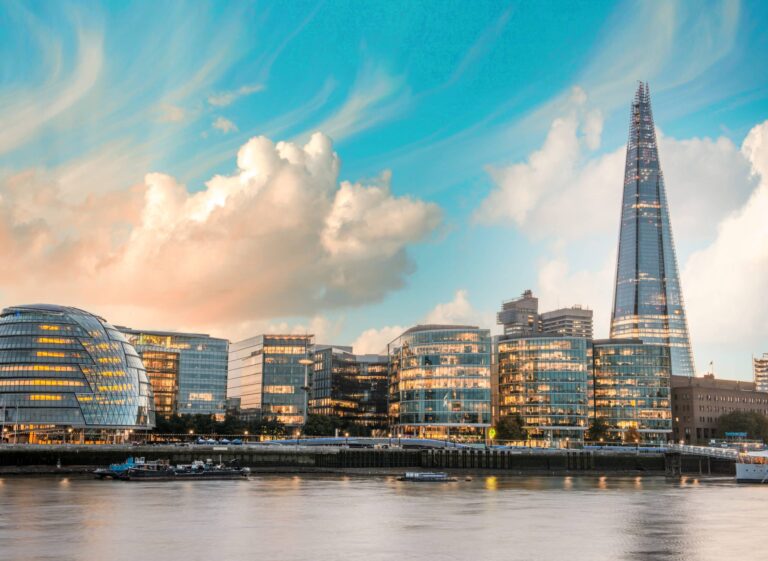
[[752, 467], [159, 470], [426, 476], [120, 471]]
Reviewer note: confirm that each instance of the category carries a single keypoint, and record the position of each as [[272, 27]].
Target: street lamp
[[306, 362]]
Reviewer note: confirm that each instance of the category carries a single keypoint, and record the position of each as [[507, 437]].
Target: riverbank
[[74, 459]]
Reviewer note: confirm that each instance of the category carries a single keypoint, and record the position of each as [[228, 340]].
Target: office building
[[698, 402], [760, 372], [62, 367], [269, 374], [188, 371], [631, 389], [567, 322], [350, 387], [520, 316], [648, 300], [440, 381], [544, 380]]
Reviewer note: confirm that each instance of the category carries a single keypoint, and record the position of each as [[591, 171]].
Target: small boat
[[159, 470], [752, 467], [119, 471], [426, 476]]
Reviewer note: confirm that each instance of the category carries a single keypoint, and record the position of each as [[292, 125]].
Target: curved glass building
[[440, 381], [64, 367]]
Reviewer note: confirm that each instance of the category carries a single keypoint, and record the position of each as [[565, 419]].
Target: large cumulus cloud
[[279, 237]]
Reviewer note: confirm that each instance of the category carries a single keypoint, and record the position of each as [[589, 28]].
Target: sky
[[353, 168]]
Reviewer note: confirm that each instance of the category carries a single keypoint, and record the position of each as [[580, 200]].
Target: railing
[[704, 451]]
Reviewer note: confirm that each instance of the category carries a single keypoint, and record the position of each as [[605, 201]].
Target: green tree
[[753, 423], [598, 430], [207, 425], [511, 427], [322, 425]]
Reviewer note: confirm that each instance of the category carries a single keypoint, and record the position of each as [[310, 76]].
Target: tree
[[322, 425], [511, 427], [751, 422], [598, 430], [208, 425]]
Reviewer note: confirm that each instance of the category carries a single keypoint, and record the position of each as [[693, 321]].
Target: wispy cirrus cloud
[[222, 99], [375, 97], [26, 111]]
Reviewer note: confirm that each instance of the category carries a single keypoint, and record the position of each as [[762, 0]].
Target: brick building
[[697, 402]]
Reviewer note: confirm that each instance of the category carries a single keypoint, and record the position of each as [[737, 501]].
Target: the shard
[[648, 300]]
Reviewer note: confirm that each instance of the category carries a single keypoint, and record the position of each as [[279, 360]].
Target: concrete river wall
[[78, 458]]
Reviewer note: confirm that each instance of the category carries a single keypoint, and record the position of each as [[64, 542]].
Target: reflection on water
[[314, 518]]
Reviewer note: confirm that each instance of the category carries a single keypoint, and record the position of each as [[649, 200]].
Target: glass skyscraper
[[188, 371], [648, 300], [440, 381]]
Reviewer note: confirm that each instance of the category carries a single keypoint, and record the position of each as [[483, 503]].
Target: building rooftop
[[125, 329], [55, 308], [709, 381], [435, 327]]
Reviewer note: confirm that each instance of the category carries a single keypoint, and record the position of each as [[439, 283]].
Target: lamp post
[[306, 361]]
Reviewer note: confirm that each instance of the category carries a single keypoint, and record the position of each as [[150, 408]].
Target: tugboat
[[161, 470], [426, 476]]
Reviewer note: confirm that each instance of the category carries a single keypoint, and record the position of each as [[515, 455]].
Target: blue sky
[[431, 106]]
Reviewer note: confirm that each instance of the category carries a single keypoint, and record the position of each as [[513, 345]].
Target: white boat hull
[[751, 473]]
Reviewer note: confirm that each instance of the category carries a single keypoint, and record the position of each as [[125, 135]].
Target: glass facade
[[188, 371], [544, 380], [632, 388], [352, 387], [61, 366], [648, 300], [440, 381], [163, 372], [270, 376]]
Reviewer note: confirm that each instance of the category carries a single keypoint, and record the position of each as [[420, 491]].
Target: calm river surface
[[314, 518]]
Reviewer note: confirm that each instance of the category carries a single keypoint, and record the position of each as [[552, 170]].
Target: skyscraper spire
[[648, 300]]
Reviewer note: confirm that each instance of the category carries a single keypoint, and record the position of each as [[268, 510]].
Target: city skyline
[[449, 174]]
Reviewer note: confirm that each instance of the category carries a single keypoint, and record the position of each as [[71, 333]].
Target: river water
[[315, 518]]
